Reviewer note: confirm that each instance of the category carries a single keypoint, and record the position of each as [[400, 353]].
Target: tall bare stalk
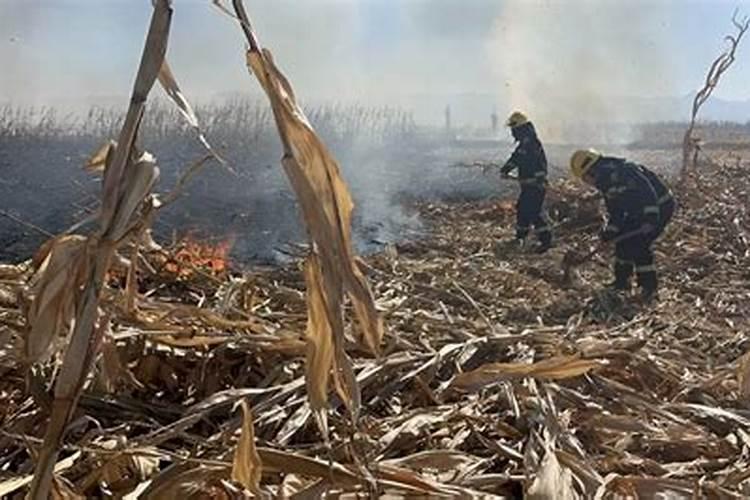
[[331, 271], [719, 66], [128, 179]]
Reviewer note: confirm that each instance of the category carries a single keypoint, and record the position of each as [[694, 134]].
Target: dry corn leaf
[[293, 463], [14, 484], [435, 459], [294, 424], [323, 195], [54, 287], [136, 183], [388, 476], [294, 486], [198, 341], [320, 349], [113, 370], [413, 483], [184, 481], [246, 467], [42, 252], [125, 468], [411, 427], [8, 299], [327, 209], [582, 469], [10, 272], [551, 480], [645, 487], [99, 159], [325, 355], [557, 368], [172, 88], [345, 381]]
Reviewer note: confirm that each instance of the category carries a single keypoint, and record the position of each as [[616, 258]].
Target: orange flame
[[191, 253]]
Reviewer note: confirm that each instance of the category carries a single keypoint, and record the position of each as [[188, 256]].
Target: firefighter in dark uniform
[[637, 201], [531, 162]]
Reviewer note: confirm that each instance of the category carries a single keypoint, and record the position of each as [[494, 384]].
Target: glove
[[505, 170]]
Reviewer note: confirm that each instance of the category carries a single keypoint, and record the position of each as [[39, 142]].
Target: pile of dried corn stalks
[[494, 377]]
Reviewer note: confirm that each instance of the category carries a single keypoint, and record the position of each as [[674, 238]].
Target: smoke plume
[[573, 65]]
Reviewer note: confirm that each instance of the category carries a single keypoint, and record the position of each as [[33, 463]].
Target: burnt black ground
[[42, 182]]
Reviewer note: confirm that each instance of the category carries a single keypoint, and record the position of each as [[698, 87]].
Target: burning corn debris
[[192, 255]]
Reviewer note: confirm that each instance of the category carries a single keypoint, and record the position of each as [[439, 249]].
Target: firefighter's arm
[[513, 162], [508, 168]]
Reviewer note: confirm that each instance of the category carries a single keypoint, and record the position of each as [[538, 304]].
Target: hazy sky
[[521, 51]]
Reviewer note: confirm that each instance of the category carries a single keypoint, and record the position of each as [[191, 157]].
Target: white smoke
[[572, 65]]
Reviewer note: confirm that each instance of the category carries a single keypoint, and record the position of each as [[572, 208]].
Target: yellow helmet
[[582, 160], [516, 119]]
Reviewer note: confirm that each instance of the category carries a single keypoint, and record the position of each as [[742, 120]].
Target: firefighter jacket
[[528, 158], [631, 196], [664, 195]]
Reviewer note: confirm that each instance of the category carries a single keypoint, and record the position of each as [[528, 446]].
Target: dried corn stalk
[[557, 368], [128, 179], [247, 467], [327, 206]]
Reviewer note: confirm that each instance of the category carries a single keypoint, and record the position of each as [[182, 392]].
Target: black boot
[[545, 241], [623, 271], [648, 283]]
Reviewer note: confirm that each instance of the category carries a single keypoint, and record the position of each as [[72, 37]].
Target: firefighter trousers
[[530, 213], [636, 254]]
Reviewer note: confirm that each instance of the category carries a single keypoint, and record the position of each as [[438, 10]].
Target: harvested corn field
[[459, 361], [496, 376]]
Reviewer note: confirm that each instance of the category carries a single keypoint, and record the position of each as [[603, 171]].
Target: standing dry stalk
[[720, 65], [332, 269], [128, 179]]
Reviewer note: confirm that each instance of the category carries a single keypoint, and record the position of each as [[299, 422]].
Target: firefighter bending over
[[531, 162], [639, 206]]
